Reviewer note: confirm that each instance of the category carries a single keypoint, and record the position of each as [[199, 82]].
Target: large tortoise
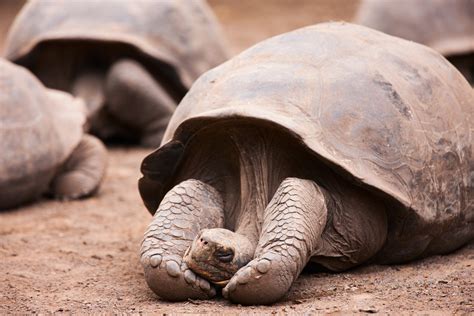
[[446, 26], [43, 146], [333, 144], [132, 61]]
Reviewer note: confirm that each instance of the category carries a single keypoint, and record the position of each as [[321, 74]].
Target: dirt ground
[[81, 256]]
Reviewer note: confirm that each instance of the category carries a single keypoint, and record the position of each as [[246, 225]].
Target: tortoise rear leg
[[186, 209], [292, 226], [82, 172], [138, 101]]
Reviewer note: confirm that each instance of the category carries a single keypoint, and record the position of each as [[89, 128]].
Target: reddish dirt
[[81, 257], [247, 22], [8, 9]]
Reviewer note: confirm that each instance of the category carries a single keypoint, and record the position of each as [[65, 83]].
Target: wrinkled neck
[[245, 162], [264, 164]]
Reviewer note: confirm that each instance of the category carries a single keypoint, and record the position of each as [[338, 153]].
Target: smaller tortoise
[[43, 146], [131, 61], [445, 26], [334, 144]]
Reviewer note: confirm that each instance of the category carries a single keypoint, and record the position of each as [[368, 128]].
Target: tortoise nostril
[[203, 241]]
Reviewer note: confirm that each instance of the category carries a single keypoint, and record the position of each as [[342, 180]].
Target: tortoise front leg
[[186, 209], [292, 226], [136, 100], [82, 172]]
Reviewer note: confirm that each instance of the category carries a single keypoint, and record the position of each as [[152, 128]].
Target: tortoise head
[[217, 254]]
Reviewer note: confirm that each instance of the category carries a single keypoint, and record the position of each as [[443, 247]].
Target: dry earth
[[81, 257]]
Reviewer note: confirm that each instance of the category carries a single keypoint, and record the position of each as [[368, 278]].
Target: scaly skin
[[293, 223], [185, 210], [83, 172]]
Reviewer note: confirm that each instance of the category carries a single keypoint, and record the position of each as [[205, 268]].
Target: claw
[[189, 277], [249, 284], [245, 276], [155, 261], [173, 280], [263, 266], [172, 268]]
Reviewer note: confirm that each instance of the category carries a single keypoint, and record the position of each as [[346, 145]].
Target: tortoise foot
[[284, 246], [83, 172], [262, 281], [172, 230], [170, 278]]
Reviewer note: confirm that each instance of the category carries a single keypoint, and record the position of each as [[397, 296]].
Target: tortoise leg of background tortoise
[[89, 86], [292, 226], [138, 101], [83, 171], [186, 209]]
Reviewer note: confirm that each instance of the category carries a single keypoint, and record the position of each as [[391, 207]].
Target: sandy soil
[[8, 9], [82, 257], [247, 22]]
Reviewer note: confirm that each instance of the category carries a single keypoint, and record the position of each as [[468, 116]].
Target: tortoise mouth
[[209, 271], [224, 255], [221, 283]]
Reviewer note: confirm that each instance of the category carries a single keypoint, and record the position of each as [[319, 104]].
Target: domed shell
[[39, 128], [446, 26], [180, 33], [390, 115]]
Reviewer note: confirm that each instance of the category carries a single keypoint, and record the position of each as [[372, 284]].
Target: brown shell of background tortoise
[[132, 61], [333, 144], [43, 146], [445, 26]]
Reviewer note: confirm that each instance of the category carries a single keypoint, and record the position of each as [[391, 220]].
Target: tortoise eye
[[224, 255]]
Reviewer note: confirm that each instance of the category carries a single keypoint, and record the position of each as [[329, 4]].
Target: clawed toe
[[247, 286], [171, 279]]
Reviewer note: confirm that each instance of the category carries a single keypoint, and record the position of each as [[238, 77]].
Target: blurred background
[[245, 22], [8, 10]]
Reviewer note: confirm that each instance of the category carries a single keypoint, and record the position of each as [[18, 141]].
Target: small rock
[[370, 310]]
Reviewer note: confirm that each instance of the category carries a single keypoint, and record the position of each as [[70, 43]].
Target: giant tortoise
[[43, 146], [132, 61], [333, 144], [446, 26]]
